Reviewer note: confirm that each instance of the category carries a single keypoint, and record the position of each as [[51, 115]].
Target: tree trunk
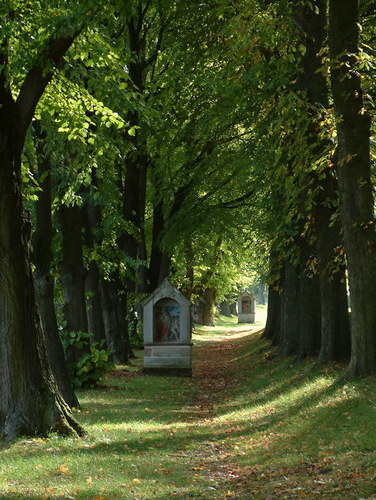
[[224, 308], [204, 308], [159, 260], [113, 328], [233, 309], [273, 322], [73, 275], [29, 399], [43, 279], [309, 315], [94, 303], [290, 324], [335, 321], [93, 295], [335, 332], [355, 186]]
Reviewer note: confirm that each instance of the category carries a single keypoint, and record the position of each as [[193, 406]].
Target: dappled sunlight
[[297, 397]]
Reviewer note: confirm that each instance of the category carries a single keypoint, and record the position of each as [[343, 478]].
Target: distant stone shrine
[[246, 308], [167, 332]]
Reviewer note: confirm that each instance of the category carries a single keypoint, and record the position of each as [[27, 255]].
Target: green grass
[[246, 425]]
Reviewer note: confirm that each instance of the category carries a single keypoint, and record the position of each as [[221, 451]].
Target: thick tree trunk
[[133, 242], [273, 321], [355, 187], [233, 309], [73, 275], [95, 323], [335, 321], [335, 333], [159, 260], [29, 399], [91, 217], [113, 327], [44, 281], [290, 323], [224, 309], [309, 315], [204, 308]]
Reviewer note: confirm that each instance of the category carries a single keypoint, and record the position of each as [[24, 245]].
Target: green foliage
[[91, 366]]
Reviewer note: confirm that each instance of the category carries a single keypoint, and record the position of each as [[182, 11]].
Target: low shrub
[[92, 365]]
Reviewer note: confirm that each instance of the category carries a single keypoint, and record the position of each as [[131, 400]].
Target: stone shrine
[[246, 308], [167, 332]]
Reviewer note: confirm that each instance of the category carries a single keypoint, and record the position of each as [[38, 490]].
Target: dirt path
[[216, 370]]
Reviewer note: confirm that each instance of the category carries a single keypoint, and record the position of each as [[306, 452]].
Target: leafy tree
[[29, 400], [355, 184]]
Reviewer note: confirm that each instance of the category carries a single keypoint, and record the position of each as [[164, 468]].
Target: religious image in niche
[[167, 324], [246, 307]]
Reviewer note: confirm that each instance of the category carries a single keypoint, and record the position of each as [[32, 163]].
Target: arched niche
[[246, 305], [166, 321]]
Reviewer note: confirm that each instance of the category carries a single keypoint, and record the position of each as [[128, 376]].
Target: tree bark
[[95, 321], [335, 331], [72, 276], [43, 279], [335, 321], [30, 402], [224, 308], [113, 327], [204, 308], [273, 321], [159, 260], [355, 187], [233, 309], [290, 323], [309, 315]]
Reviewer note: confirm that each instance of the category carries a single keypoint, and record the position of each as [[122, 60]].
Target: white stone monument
[[167, 332], [246, 308]]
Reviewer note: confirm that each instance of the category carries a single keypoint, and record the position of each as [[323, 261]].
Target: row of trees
[[105, 139], [327, 163], [192, 139]]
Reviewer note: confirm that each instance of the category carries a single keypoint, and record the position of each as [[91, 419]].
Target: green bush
[[92, 366]]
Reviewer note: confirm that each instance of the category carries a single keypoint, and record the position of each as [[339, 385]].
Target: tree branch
[[40, 75]]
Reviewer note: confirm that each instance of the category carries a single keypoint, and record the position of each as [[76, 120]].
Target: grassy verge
[[247, 425]]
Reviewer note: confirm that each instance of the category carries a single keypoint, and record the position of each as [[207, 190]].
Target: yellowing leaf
[[136, 481], [89, 480], [64, 469]]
